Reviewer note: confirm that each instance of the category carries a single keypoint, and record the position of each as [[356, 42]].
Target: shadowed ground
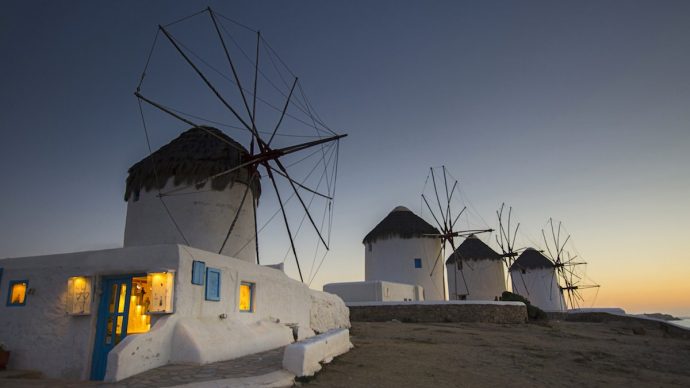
[[615, 353]]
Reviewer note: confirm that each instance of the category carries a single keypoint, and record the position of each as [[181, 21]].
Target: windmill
[[444, 216], [505, 239], [239, 82], [570, 279]]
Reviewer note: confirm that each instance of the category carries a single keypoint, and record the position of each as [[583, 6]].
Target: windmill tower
[[201, 216], [402, 248], [446, 221], [569, 269], [475, 272], [534, 277]]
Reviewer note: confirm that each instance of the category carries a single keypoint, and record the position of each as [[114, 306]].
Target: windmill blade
[[232, 66], [256, 77], [237, 213], [184, 120], [299, 184], [282, 115], [458, 217], [259, 159], [301, 201], [438, 201], [208, 83], [287, 224], [432, 212], [440, 251], [445, 184]]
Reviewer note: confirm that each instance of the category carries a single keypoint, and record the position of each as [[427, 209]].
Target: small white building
[[376, 290], [399, 258], [114, 313], [475, 272], [534, 277]]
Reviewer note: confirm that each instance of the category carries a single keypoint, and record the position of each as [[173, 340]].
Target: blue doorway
[[111, 327]]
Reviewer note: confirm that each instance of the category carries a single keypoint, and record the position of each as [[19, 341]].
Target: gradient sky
[[578, 111]]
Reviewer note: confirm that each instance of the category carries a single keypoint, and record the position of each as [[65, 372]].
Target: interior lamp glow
[[79, 295], [162, 287]]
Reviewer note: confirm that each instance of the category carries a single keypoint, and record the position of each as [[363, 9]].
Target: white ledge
[[436, 303], [304, 358]]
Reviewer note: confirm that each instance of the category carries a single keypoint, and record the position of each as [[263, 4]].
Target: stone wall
[[441, 312]]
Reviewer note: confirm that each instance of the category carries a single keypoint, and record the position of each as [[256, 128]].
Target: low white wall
[[375, 291], [202, 341], [141, 352], [304, 358], [327, 311]]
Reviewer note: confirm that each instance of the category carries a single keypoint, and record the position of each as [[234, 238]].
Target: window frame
[[9, 293], [199, 271], [207, 295], [252, 297]]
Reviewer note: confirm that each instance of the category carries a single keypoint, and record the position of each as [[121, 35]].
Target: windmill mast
[[445, 221]]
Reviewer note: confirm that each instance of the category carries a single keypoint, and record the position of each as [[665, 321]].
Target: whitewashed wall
[[204, 218], [43, 337], [540, 287], [393, 260], [375, 291], [478, 279]]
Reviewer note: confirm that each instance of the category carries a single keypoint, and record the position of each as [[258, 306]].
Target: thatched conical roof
[[473, 249], [400, 222], [191, 158], [531, 259]]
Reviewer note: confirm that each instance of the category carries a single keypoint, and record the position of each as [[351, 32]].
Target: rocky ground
[[613, 353]]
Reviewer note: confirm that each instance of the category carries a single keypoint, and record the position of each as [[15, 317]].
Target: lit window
[[17, 294], [247, 297], [418, 263], [79, 295]]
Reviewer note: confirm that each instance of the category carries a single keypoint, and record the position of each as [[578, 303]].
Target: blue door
[[111, 328]]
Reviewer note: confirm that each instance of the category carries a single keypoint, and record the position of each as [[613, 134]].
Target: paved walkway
[[261, 369]]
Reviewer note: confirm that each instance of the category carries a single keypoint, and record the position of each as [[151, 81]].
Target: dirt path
[[395, 354]]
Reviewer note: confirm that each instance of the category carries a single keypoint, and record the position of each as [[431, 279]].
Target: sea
[[683, 322]]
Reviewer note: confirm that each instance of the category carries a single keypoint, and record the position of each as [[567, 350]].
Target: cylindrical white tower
[[534, 277], [202, 214], [475, 272], [399, 250]]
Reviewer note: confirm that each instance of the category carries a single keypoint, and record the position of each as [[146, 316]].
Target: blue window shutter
[[198, 272], [212, 284], [418, 263]]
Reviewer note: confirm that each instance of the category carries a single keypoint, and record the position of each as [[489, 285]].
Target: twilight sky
[[578, 111]]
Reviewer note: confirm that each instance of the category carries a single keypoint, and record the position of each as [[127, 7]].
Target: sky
[[578, 111]]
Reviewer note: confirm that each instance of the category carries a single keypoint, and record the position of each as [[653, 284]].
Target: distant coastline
[[661, 316]]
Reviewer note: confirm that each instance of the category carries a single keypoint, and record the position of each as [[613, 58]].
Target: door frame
[[99, 359]]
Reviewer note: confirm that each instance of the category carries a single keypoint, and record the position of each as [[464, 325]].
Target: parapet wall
[[450, 311]]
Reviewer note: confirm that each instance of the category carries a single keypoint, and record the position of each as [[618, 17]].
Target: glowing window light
[[246, 297], [161, 287], [17, 294], [79, 295]]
